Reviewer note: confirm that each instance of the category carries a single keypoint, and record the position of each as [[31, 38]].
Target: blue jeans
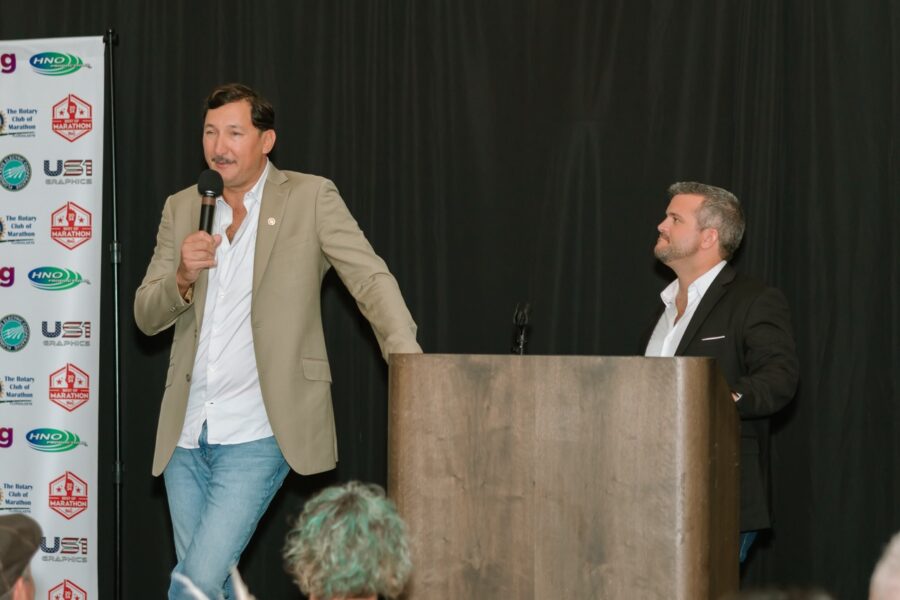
[[217, 494]]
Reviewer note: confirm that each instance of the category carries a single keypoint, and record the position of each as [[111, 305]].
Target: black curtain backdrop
[[509, 151]]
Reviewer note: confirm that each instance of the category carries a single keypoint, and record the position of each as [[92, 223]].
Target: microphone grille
[[210, 183]]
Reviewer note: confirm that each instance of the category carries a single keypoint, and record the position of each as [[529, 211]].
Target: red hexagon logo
[[72, 117], [68, 495], [70, 225], [67, 591], [70, 387]]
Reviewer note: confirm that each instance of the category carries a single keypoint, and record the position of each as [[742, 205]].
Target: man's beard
[[671, 252]]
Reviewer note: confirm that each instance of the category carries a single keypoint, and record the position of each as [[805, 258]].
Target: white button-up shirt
[[225, 388], [667, 334]]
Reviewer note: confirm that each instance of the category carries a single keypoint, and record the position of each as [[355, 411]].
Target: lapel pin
[[271, 221]]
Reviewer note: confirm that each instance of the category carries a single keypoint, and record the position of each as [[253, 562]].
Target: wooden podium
[[565, 476]]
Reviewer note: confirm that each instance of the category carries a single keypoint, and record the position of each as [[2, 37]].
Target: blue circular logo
[[14, 333], [15, 172]]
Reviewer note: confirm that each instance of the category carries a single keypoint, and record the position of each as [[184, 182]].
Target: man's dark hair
[[261, 112]]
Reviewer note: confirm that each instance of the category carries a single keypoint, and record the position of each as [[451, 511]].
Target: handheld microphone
[[210, 186]]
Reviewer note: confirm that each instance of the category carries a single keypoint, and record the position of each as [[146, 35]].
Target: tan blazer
[[304, 229]]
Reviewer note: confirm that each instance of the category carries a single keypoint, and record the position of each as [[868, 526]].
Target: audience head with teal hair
[[349, 542]]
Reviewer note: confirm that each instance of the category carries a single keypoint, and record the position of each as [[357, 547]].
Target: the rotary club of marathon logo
[[69, 387], [72, 117], [70, 225], [68, 495], [67, 591]]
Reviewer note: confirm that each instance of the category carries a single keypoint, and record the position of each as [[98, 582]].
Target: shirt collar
[[254, 195], [697, 289], [256, 192]]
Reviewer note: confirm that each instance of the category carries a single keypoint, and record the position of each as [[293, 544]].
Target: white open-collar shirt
[[667, 334], [225, 388]]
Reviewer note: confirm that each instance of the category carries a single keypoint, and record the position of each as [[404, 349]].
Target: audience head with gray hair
[[885, 583], [349, 542]]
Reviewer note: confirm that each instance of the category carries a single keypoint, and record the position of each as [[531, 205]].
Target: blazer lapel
[[712, 296], [271, 213]]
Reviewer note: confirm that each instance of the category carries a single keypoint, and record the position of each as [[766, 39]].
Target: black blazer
[[746, 326]]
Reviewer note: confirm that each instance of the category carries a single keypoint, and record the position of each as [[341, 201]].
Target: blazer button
[[172, 309], [188, 377]]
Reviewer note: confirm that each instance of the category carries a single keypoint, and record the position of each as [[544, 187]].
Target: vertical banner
[[51, 193]]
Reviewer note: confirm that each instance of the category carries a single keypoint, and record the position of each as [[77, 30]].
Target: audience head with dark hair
[[349, 542]]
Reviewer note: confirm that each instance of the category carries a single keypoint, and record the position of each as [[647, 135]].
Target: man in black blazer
[[712, 310]]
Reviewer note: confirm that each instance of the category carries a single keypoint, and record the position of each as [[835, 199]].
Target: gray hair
[[885, 582], [720, 210], [349, 542]]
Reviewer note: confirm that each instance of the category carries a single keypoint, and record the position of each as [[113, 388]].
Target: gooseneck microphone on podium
[[210, 186], [520, 320]]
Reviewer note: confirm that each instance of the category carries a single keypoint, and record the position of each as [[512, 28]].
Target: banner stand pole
[[111, 39]]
